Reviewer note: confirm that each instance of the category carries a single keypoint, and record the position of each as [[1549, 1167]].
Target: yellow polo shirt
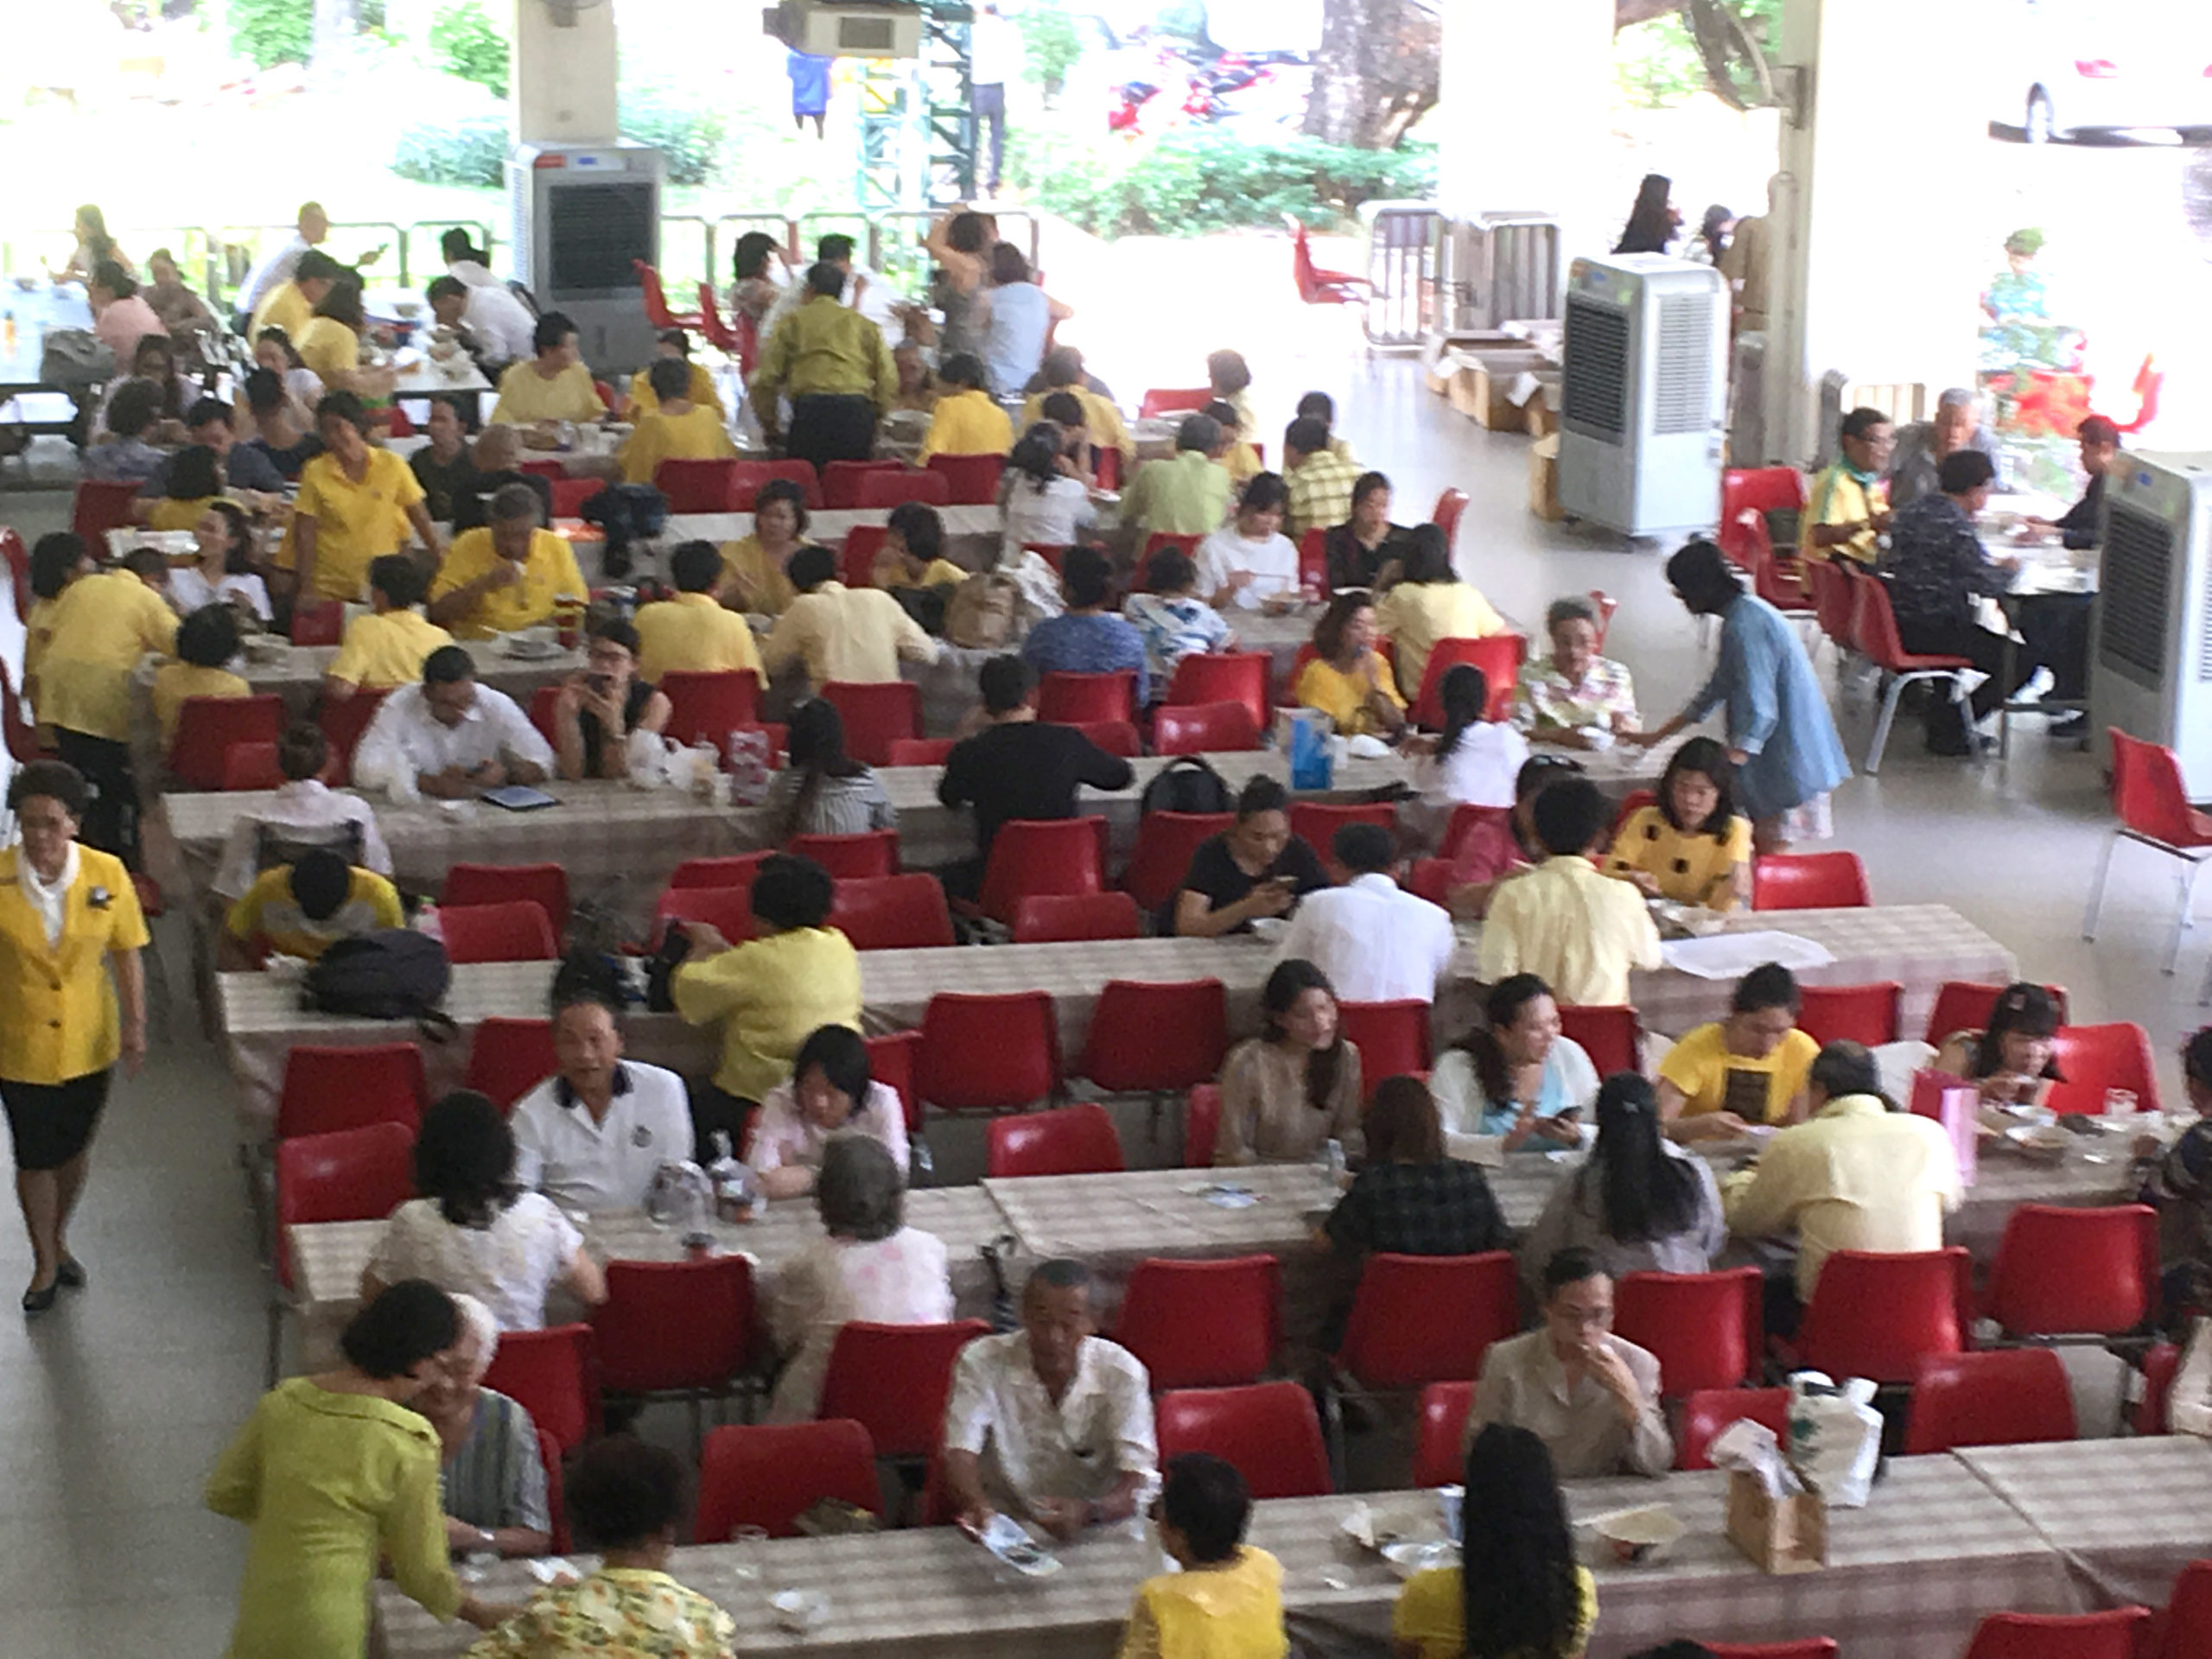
[[1101, 419], [329, 348], [1233, 1608], [1578, 931], [692, 634], [548, 572], [1342, 697], [174, 682], [770, 995], [356, 522], [1837, 498], [968, 422], [172, 512], [286, 308], [1757, 1090], [384, 650], [825, 349], [63, 1021], [702, 389], [102, 625], [526, 396], [696, 434], [756, 582], [268, 912], [846, 634], [1414, 615]]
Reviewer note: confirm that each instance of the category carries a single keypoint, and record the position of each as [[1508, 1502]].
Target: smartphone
[[598, 682]]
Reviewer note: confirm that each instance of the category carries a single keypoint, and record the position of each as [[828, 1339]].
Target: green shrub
[[471, 149], [272, 31], [1051, 44], [1190, 183], [468, 45], [689, 132]]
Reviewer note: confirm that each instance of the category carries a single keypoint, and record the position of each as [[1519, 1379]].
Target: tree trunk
[[1627, 13], [1375, 73]]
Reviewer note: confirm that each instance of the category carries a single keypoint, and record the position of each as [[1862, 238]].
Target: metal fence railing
[[1404, 263]]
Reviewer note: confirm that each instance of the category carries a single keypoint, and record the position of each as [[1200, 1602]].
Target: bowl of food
[[2042, 1143], [1639, 1537], [409, 308]]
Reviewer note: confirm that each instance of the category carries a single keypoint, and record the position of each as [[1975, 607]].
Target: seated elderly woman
[[1346, 678], [600, 710], [870, 1266], [828, 1096], [474, 1229], [1412, 1199], [1574, 697], [1691, 845], [493, 1479], [2012, 1062]]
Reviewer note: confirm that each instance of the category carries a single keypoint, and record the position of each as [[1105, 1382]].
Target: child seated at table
[[302, 909], [1226, 1601]]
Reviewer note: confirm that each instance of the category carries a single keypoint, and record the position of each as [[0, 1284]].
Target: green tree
[[1050, 41], [468, 45], [272, 31]]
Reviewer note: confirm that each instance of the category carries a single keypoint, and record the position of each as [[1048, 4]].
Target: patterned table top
[[2090, 1495], [1161, 1211], [291, 670]]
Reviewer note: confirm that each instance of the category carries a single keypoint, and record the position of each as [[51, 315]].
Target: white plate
[[1406, 1557]]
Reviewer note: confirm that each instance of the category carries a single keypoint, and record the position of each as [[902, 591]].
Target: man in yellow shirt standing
[[303, 909], [1849, 508], [833, 365], [840, 632], [675, 427], [692, 634], [1318, 479], [102, 625], [555, 386], [1187, 495], [290, 305], [507, 575], [386, 648], [355, 505]]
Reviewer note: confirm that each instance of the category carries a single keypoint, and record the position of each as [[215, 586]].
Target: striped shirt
[[839, 806], [495, 1478]]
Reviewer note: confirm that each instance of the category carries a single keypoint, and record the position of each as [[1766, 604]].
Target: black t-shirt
[[1026, 770], [1218, 875], [471, 507], [443, 481]]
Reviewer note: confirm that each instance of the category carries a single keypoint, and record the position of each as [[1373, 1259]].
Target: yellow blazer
[[60, 1020]]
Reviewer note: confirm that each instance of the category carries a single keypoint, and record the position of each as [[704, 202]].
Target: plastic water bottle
[[1333, 1154], [427, 922], [734, 1191]]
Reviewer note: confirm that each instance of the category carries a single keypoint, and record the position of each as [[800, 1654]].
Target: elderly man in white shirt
[[305, 812], [277, 266], [1052, 1422], [449, 737], [591, 1136], [1376, 942]]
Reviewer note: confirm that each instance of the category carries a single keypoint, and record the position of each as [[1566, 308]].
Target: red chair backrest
[[1201, 1125], [1042, 856], [1810, 881], [891, 1063], [2067, 1271], [749, 475], [550, 470], [1442, 1423], [514, 931], [1116, 737], [1203, 1325], [556, 1499], [2148, 792], [973, 479], [1499, 655], [570, 495], [1417, 1319], [2006, 1397], [545, 886], [99, 506], [250, 766], [889, 489], [1313, 560], [318, 622], [2111, 1635], [891, 912], [1393, 1038], [840, 480], [920, 751], [1611, 1036], [1316, 823], [1875, 1315], [342, 724], [1208, 676], [1834, 602], [856, 857], [1057, 918], [710, 704], [892, 1380], [1153, 1036], [655, 300], [1268, 1430], [1077, 699], [736, 871], [1466, 824], [22, 736], [1078, 1140], [206, 727], [1449, 506], [1706, 1329], [326, 1089], [1632, 802], [2188, 1615], [1813, 1647], [360, 1175], [1705, 1413], [554, 1373], [675, 1325], [2092, 1059], [1163, 400], [508, 1058], [1759, 489], [1165, 844], [856, 559], [19, 570], [874, 713], [768, 1475], [728, 909], [988, 1051], [1203, 727], [1962, 1006], [1852, 1014], [2159, 1365]]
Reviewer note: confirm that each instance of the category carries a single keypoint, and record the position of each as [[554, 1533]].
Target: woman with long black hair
[[1478, 761], [824, 791], [1296, 1085], [1517, 1076], [1654, 220]]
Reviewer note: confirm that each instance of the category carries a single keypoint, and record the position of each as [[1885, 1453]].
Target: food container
[[1641, 1536]]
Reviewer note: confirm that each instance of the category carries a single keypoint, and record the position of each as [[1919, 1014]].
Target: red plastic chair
[[1187, 545], [1706, 1329], [1705, 1413], [2092, 1059], [868, 853], [840, 480], [2063, 1271], [1118, 738], [988, 1053], [2151, 802], [2159, 1366], [1393, 1038], [1173, 401], [342, 724], [1878, 1315], [250, 766], [1830, 584], [768, 1475], [1962, 1005], [2187, 1619], [875, 712], [749, 475], [552, 471], [1034, 856], [1157, 1038], [1203, 727], [1313, 560], [920, 751], [1810, 881], [516, 932], [893, 1380], [711, 705], [206, 727], [99, 506], [545, 886], [856, 558], [2111, 1635], [1417, 1319], [891, 912], [1611, 1036], [1499, 655], [974, 480], [1078, 1140], [1210, 677], [656, 301], [1874, 631], [1203, 1325], [881, 490], [556, 1501], [318, 622], [1449, 506], [736, 871], [1071, 918], [1316, 284], [2007, 1396], [328, 1089], [1316, 823], [24, 746], [554, 1373], [1201, 1125], [680, 1330], [728, 909], [1442, 1424], [1854, 1013], [358, 1174], [1166, 842], [1268, 1430], [1081, 699], [19, 570], [571, 495], [1813, 1647], [508, 1058]]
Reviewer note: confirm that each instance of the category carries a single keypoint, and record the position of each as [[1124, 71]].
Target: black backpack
[[393, 973], [625, 513], [1187, 784]]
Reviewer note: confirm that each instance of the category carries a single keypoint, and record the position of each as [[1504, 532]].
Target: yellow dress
[[1431, 1615], [1690, 868], [63, 1021], [1211, 1612], [1342, 697]]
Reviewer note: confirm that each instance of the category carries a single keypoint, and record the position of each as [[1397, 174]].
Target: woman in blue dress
[[1780, 736]]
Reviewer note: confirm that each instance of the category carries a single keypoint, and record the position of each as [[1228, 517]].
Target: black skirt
[[51, 1122]]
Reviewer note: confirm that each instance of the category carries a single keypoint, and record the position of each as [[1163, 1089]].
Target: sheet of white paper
[[1730, 955]]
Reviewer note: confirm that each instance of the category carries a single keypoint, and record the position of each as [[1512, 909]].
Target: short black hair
[[409, 1323], [1569, 816], [811, 567], [617, 631], [465, 1159], [1261, 794], [135, 406], [110, 275], [399, 579], [622, 1492], [669, 377], [842, 1052], [1319, 406], [1007, 265], [1198, 432], [1087, 576], [448, 666], [788, 489], [553, 327], [207, 412], [1364, 849], [1058, 1273], [1264, 493], [1770, 985], [1062, 410], [1570, 1267], [1223, 414], [320, 881], [833, 247], [55, 780], [446, 288], [920, 527], [54, 559], [209, 637], [1306, 435], [193, 475], [455, 246], [790, 891], [696, 567], [1845, 1069], [964, 369], [676, 338], [343, 406], [1169, 571], [302, 751], [825, 279], [1861, 421], [1963, 470], [265, 388], [1204, 1498], [1006, 682], [316, 266]]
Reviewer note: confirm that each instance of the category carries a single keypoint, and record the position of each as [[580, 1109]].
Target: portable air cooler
[[583, 214], [2150, 646]]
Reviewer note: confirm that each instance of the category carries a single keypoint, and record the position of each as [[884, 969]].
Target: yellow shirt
[[702, 389], [615, 1612], [770, 994], [1690, 868], [1431, 1615], [1243, 463], [1414, 615], [356, 523], [694, 635], [1183, 495], [1342, 697], [286, 308], [1855, 1177], [754, 581], [1232, 1611], [268, 912], [38, 632], [102, 625], [329, 348], [695, 435], [1839, 498], [1580, 932], [174, 682], [171, 512], [548, 572], [1757, 1090], [387, 649], [526, 396], [1101, 419], [968, 422], [846, 633], [62, 1020], [825, 349], [890, 572]]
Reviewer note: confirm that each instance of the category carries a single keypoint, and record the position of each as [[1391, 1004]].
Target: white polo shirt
[[582, 1165], [405, 741]]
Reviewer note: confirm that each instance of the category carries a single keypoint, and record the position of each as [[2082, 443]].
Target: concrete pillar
[[563, 70]]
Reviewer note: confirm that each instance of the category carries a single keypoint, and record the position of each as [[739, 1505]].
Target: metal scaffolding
[[918, 128]]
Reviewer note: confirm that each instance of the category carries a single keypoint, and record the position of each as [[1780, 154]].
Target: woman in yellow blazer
[[69, 918]]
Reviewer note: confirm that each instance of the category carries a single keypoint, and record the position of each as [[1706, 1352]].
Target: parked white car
[[2070, 67]]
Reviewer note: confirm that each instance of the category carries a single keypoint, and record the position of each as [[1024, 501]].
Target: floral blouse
[[1604, 700], [620, 1612]]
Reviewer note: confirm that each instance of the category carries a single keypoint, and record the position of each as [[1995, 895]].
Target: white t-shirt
[[1272, 562], [1479, 772], [782, 1135], [190, 591], [508, 1266], [307, 810], [582, 1165], [1049, 517], [1374, 943]]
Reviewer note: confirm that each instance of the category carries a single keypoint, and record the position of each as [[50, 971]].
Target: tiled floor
[[112, 1407]]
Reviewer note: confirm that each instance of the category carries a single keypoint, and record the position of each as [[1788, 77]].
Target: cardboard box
[[1540, 413], [1777, 1536], [1440, 354], [1543, 479], [1484, 390]]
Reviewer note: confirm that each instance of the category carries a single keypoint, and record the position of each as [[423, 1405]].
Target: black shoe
[[71, 1274], [38, 1301]]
